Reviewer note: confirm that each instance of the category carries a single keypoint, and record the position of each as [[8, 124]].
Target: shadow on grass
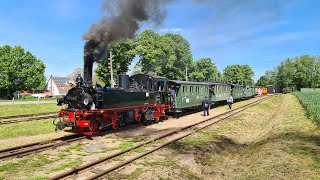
[[299, 144]]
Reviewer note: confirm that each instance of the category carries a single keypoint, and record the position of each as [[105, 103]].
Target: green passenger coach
[[219, 92], [187, 95]]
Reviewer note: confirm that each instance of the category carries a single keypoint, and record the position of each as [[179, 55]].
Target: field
[[311, 102]]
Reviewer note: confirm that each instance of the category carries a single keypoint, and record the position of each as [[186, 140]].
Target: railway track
[[159, 142], [23, 150], [26, 118], [26, 115]]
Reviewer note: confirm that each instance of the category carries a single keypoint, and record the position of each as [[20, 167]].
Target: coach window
[[191, 90], [217, 88], [185, 90]]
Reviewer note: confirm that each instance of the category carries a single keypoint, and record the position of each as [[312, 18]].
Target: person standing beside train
[[205, 106], [230, 101], [173, 96]]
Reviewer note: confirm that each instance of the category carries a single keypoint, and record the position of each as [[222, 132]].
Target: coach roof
[[188, 82]]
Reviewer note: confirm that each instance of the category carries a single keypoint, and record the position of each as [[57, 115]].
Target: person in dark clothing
[[205, 106], [173, 96], [79, 80]]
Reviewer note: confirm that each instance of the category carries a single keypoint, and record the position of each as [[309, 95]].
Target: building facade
[[58, 85]]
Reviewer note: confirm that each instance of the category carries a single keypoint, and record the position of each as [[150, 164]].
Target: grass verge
[[20, 109], [26, 129]]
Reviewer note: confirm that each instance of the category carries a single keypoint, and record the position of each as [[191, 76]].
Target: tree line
[[294, 73], [167, 55]]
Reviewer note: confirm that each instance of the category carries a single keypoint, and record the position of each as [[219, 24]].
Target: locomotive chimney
[[87, 68], [88, 60]]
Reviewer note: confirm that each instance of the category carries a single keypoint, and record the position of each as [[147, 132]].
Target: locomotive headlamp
[[87, 101]]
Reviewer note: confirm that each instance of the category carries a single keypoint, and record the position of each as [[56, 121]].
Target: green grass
[[185, 172], [69, 164], [62, 155], [122, 146], [20, 109], [37, 178], [26, 129], [29, 99], [76, 147], [311, 102], [135, 174], [140, 150], [30, 164], [118, 159], [126, 145]]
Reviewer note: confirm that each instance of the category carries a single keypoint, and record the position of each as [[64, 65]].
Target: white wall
[[54, 88]]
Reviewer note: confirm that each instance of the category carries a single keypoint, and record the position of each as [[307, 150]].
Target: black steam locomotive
[[141, 97]]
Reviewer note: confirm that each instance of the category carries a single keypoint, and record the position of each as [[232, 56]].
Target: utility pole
[[186, 73], [111, 70]]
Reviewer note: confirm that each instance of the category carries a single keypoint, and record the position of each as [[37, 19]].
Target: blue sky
[[259, 33]]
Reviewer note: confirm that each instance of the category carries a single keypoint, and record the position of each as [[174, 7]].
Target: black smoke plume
[[125, 17]]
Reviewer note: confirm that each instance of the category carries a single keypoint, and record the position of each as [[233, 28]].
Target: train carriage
[[219, 92], [249, 92], [237, 91], [188, 94]]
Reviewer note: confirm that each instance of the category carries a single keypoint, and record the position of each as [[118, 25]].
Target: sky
[[255, 32]]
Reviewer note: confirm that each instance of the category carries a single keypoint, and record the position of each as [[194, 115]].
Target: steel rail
[[27, 149], [25, 120], [26, 115]]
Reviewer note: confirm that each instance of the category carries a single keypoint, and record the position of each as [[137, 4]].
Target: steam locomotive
[[139, 98], [89, 110]]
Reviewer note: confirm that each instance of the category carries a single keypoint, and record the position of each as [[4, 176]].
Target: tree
[[20, 70], [239, 74], [205, 70], [285, 74], [146, 47], [247, 74], [306, 71], [166, 55], [296, 73], [179, 58], [135, 70], [75, 73], [123, 54], [233, 74], [263, 81]]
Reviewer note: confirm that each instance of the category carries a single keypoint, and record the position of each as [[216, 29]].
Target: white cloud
[[175, 30]]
